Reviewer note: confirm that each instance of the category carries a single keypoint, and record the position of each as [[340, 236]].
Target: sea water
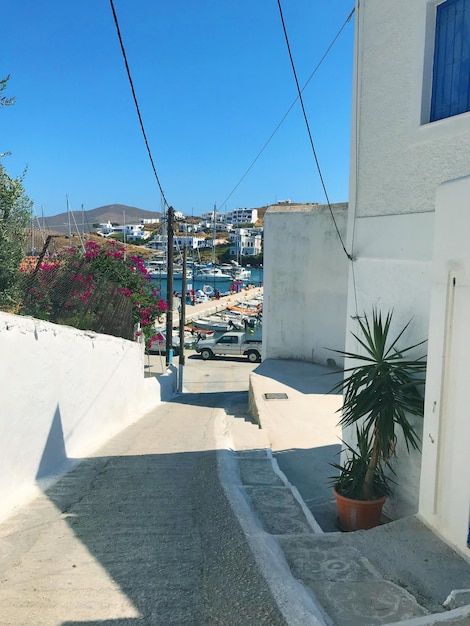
[[160, 284], [256, 279]]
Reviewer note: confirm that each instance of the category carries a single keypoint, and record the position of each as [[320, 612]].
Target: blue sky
[[212, 78]]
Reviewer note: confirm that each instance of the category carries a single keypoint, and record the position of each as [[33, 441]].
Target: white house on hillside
[[246, 241], [192, 243], [409, 225], [131, 232], [211, 216], [241, 216]]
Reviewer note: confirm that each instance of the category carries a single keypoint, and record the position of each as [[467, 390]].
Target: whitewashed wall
[[398, 162], [305, 283], [392, 270], [63, 393]]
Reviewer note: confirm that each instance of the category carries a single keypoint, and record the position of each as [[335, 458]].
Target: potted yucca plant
[[380, 391]]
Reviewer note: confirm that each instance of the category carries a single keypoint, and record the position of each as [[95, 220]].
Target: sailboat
[[212, 273], [158, 268]]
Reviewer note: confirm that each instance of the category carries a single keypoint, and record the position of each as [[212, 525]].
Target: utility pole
[[213, 245], [124, 238], [182, 320], [169, 287]]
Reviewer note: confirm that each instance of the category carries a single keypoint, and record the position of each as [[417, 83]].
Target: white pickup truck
[[236, 344]]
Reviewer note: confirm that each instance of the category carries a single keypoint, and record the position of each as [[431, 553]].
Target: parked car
[[234, 343]]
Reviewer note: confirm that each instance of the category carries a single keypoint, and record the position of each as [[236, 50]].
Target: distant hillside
[[83, 221]]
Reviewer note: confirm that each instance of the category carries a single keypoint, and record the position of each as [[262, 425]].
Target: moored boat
[[243, 310], [217, 324], [212, 274]]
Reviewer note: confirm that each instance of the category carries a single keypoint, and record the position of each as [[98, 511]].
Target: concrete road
[[222, 374], [184, 519], [142, 532]]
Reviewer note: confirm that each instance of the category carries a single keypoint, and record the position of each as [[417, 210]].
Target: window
[[228, 339], [451, 69]]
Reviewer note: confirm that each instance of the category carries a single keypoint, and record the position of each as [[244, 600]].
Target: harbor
[[212, 307], [230, 305], [196, 282], [155, 363]]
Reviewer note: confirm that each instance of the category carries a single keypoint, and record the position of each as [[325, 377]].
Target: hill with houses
[[83, 221]]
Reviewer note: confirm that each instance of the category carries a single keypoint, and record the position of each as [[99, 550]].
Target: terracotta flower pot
[[358, 514]]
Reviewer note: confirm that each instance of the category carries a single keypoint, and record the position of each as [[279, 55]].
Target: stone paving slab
[[279, 512], [259, 472], [409, 559], [343, 582], [347, 587], [368, 603], [350, 590], [311, 562]]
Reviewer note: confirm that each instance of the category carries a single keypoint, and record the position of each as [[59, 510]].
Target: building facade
[[246, 242], [409, 212], [241, 216], [131, 232]]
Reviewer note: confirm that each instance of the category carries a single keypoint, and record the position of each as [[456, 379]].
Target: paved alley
[[139, 534]]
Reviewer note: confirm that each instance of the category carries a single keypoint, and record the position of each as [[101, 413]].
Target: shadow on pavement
[[310, 471], [165, 543]]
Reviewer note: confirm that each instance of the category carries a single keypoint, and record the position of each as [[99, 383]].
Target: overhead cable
[[136, 103], [308, 130], [348, 19]]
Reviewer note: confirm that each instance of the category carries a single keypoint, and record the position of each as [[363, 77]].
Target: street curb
[[314, 525], [296, 603]]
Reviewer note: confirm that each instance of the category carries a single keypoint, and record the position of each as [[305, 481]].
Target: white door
[[445, 472]]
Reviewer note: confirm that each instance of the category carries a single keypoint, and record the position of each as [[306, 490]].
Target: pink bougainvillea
[[82, 275]]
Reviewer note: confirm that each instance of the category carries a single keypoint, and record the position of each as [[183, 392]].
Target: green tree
[[15, 211], [4, 101], [15, 207]]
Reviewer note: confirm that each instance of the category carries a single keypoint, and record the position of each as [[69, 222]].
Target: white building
[[246, 242], [221, 227], [129, 231], [158, 242], [210, 216], [192, 243], [241, 216], [409, 223]]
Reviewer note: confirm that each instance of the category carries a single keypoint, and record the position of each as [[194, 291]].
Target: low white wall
[[305, 283], [64, 393]]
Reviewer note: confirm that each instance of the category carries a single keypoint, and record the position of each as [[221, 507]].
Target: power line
[[348, 19], [308, 130], [136, 103]]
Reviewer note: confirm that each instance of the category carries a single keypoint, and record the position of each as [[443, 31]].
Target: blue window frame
[[451, 69]]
